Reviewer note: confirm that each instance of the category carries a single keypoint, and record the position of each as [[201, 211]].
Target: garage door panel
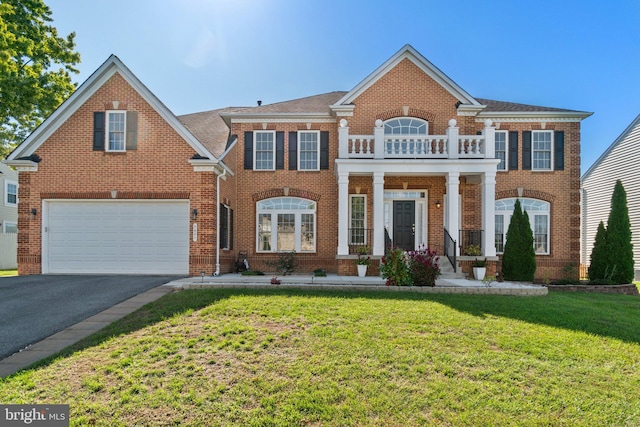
[[128, 237]]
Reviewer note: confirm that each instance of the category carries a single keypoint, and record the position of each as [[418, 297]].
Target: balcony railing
[[448, 146], [469, 239]]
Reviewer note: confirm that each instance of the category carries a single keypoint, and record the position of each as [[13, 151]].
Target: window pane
[[116, 131], [12, 193], [308, 243], [540, 233], [308, 150], [10, 227], [501, 149], [499, 233], [405, 126], [542, 150], [264, 232], [357, 220], [264, 147], [286, 232]]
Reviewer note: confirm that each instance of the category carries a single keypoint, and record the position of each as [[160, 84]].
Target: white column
[[488, 213], [343, 213], [378, 213], [378, 140], [489, 140], [343, 139], [453, 185], [453, 133]]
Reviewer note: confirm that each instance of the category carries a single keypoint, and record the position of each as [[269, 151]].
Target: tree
[[599, 255], [519, 257], [35, 69], [620, 249]]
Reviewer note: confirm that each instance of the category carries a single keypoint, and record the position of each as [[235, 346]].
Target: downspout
[[224, 172]]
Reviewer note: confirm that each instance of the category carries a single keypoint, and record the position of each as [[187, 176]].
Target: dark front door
[[404, 216]]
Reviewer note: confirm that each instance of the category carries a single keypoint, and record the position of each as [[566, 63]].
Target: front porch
[[406, 190]]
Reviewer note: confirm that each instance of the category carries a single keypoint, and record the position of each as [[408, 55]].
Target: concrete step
[[447, 272]]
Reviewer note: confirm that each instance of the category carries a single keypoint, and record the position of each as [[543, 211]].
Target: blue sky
[[198, 55]]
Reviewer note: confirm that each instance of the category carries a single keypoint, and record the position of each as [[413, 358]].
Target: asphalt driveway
[[35, 307]]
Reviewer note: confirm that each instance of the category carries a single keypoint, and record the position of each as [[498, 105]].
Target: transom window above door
[[406, 126]]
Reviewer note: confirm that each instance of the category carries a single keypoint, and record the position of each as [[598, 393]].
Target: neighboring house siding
[[7, 213], [621, 161]]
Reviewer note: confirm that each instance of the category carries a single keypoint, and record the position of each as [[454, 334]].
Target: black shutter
[[98, 131], [280, 150], [132, 130], [526, 150], [558, 156], [513, 150], [230, 228], [248, 150], [324, 150], [293, 151], [224, 228]]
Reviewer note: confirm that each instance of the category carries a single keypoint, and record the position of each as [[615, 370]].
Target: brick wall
[[158, 169]]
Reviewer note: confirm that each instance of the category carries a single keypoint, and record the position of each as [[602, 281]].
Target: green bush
[[417, 268], [285, 264], [519, 258], [423, 267], [612, 253], [394, 268]]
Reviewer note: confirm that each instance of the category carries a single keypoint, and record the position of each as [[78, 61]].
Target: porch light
[[438, 204], [194, 214], [34, 211]]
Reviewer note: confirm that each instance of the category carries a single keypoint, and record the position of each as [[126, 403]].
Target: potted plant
[[472, 250], [479, 268], [363, 260]]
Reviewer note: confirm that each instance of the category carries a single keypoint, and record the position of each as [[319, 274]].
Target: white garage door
[[112, 236]]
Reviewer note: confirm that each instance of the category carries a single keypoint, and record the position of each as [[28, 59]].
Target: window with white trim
[[541, 151], [264, 152], [10, 193], [357, 219], [9, 227], [116, 130], [308, 150], [539, 213], [286, 224], [501, 149], [406, 126]]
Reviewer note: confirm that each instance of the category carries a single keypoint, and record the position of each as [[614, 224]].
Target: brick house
[[406, 156]]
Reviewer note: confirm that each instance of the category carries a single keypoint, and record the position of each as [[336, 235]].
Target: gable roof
[[408, 52], [99, 77], [619, 140]]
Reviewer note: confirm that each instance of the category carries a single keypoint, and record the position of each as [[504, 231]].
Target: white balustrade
[[419, 147]]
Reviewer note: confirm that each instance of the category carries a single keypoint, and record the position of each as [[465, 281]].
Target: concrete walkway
[[59, 341]]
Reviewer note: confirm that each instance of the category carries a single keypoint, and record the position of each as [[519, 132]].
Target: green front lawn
[[287, 357]]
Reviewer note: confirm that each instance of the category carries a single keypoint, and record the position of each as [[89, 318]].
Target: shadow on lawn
[[614, 316]]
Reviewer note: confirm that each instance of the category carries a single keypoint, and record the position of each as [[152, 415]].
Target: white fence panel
[[8, 251]]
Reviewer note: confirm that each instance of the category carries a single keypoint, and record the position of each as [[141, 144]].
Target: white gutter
[[224, 172]]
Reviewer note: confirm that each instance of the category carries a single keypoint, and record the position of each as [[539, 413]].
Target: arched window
[[539, 213], [286, 224], [406, 126]]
